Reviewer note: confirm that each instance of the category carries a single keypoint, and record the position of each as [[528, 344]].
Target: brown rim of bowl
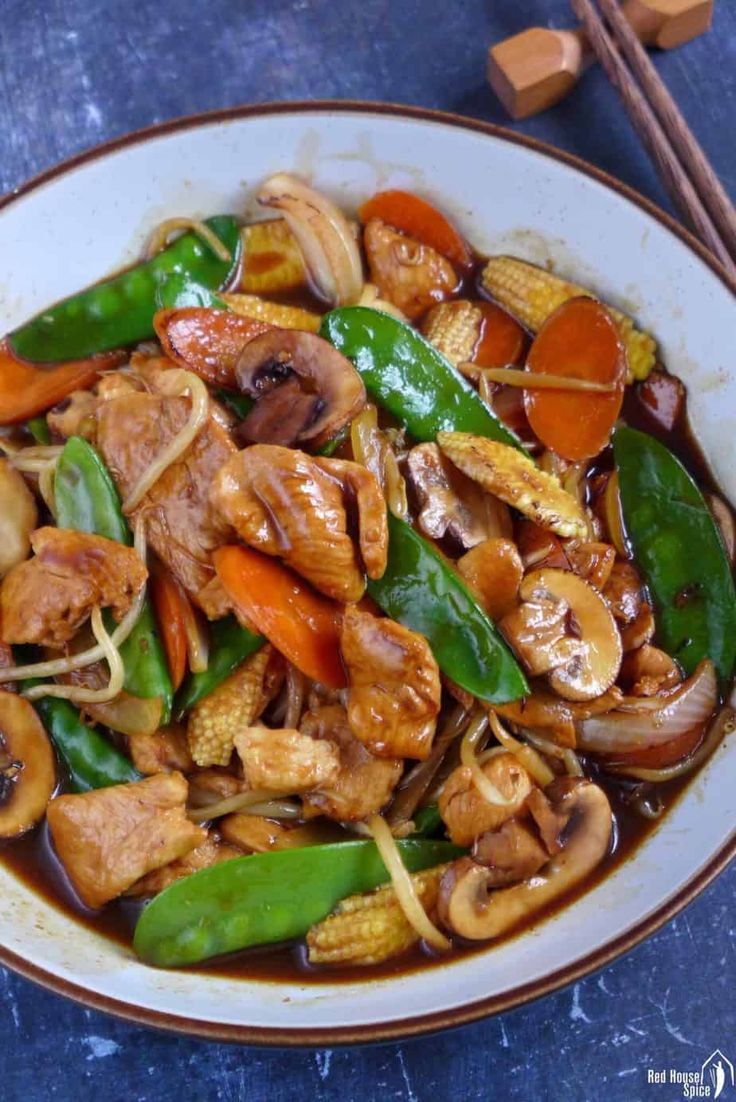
[[457, 1016]]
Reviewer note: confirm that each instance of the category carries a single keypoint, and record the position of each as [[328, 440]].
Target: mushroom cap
[[304, 388], [27, 766], [593, 670]]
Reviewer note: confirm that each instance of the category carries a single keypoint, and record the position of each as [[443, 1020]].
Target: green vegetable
[[265, 897], [179, 290], [427, 821], [677, 544], [230, 644], [409, 378], [120, 311], [419, 590], [92, 761], [87, 501], [240, 404], [39, 429]]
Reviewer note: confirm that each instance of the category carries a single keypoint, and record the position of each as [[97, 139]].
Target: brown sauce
[[32, 860]]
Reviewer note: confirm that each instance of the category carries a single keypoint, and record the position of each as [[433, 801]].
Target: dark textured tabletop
[[76, 72]]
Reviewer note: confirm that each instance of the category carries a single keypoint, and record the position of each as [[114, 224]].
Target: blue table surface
[[76, 72]]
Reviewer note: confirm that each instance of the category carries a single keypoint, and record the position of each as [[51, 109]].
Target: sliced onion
[[684, 708], [324, 236], [81, 694], [406, 893], [162, 233], [130, 715], [472, 737], [529, 758], [723, 725], [198, 639], [247, 803], [565, 754]]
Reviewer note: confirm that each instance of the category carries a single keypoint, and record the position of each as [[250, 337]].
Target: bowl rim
[[478, 1009]]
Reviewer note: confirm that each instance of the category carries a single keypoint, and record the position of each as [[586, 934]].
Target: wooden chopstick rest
[[531, 71]]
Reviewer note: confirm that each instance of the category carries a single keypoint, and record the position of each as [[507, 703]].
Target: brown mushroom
[[305, 390], [469, 907], [27, 766], [594, 665], [493, 570]]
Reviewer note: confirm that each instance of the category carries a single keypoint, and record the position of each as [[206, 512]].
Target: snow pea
[[92, 761], [404, 374], [230, 644], [87, 501], [264, 898], [179, 290], [677, 544], [39, 429], [419, 590], [120, 310]]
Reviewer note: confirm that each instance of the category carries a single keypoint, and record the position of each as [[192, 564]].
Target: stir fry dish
[[359, 594]]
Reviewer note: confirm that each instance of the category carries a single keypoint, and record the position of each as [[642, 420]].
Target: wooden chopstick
[[709, 187], [674, 176]]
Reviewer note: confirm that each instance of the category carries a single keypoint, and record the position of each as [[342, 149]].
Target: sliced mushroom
[[450, 505], [594, 666], [18, 517], [469, 909], [305, 390], [27, 766], [493, 570]]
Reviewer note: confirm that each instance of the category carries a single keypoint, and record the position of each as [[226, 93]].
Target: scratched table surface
[[76, 72]]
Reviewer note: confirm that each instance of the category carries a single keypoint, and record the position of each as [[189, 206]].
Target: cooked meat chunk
[[286, 761], [450, 504], [513, 853], [109, 838], [46, 599], [623, 592], [211, 852], [293, 506], [591, 560], [363, 784], [410, 275], [181, 524], [394, 694], [208, 786], [467, 814], [164, 751], [648, 671], [252, 833], [541, 633]]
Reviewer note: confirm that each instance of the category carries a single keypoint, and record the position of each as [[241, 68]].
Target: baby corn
[[453, 328], [230, 708], [532, 294], [369, 928], [285, 317]]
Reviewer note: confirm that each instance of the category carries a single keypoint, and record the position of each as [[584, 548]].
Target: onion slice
[[622, 731], [324, 236]]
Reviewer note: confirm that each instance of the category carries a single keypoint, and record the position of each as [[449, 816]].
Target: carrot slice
[[502, 341], [419, 219], [301, 623], [28, 389], [207, 341], [668, 753], [580, 340], [170, 608]]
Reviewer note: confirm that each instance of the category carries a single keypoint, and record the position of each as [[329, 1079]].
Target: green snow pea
[[404, 374], [230, 644], [120, 310], [179, 290], [264, 898], [92, 761], [87, 501], [419, 590], [39, 429], [677, 544]]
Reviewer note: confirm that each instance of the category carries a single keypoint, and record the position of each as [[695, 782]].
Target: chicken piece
[[109, 838], [395, 690], [493, 570], [208, 786], [549, 819], [556, 718], [648, 671], [540, 633], [182, 526], [623, 592], [450, 505], [639, 631], [363, 784], [591, 560], [513, 853], [165, 751], [293, 506], [410, 275], [46, 599], [464, 810], [211, 852], [7, 661], [513, 476], [75, 416], [256, 834], [215, 720], [285, 761]]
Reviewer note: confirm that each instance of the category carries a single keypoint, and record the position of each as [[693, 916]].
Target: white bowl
[[509, 194]]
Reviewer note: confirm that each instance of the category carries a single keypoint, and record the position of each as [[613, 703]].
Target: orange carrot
[[502, 341], [419, 219], [206, 341], [580, 340], [28, 389], [301, 623], [171, 607]]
